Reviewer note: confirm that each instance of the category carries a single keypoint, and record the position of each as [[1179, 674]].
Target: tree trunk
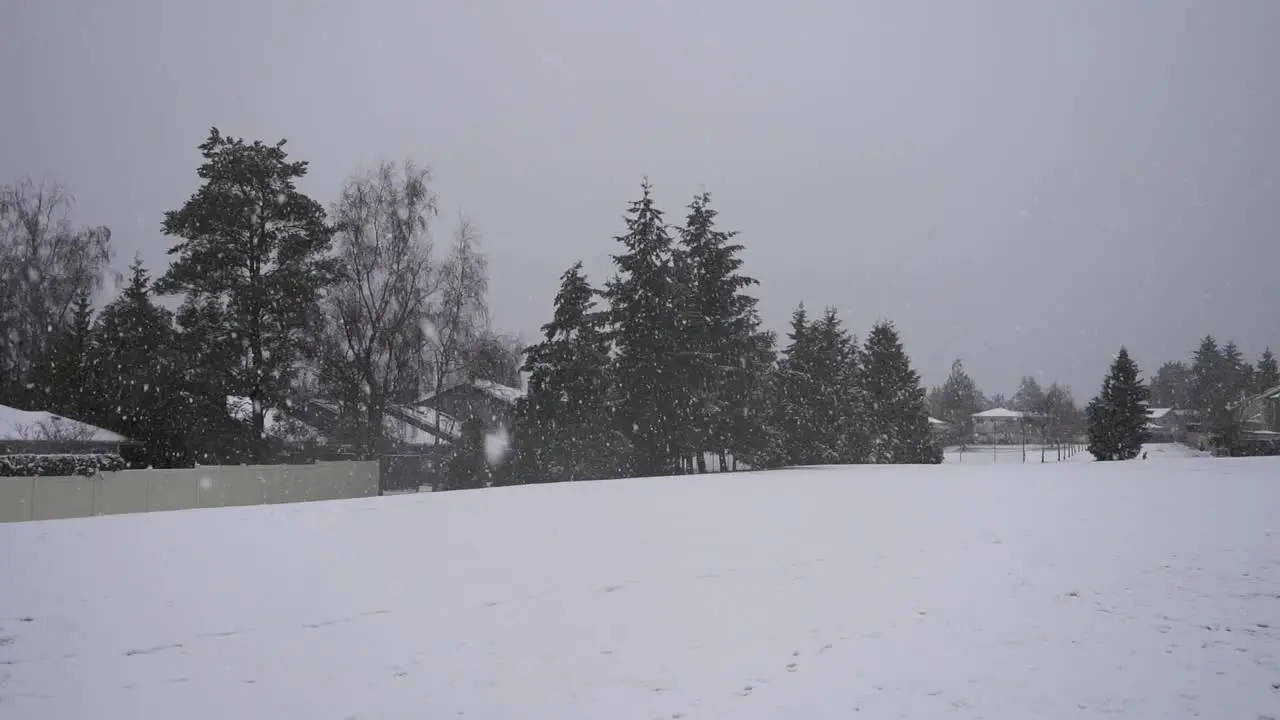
[[258, 443], [372, 427], [701, 458]]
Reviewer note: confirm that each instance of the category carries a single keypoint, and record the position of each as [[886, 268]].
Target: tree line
[[281, 301], [1050, 414], [1216, 382], [1216, 386], [276, 299], [667, 365]]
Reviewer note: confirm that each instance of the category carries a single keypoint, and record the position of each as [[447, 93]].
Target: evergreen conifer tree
[[749, 391], [838, 397], [137, 372], [467, 467], [817, 407], [643, 319], [897, 417], [252, 240], [1268, 373], [563, 427], [209, 355], [1207, 389], [720, 331], [791, 422], [1238, 373], [1171, 386], [1029, 396], [65, 381], [1118, 415]]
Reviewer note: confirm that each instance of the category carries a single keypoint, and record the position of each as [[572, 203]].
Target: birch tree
[[46, 263], [374, 335], [461, 319]]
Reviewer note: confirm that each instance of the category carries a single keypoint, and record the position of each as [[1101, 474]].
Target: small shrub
[[86, 465]]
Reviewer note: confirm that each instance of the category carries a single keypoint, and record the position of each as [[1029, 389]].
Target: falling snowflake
[[497, 447]]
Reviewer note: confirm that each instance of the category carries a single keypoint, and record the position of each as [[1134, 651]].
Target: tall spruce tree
[[1267, 378], [467, 466], [209, 356], [1219, 381], [720, 331], [749, 392], [839, 395], [1171, 386], [563, 427], [65, 381], [790, 410], [897, 418], [645, 334], [1238, 373], [138, 374], [1029, 395], [251, 239], [816, 406], [1207, 386], [1118, 415], [1268, 372]]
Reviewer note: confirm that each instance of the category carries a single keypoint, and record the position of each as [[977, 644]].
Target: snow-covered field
[[1142, 589]]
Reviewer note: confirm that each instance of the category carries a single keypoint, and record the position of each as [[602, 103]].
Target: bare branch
[[371, 346], [45, 264], [462, 317]]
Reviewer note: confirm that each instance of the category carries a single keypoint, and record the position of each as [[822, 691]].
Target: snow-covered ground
[[1143, 589]]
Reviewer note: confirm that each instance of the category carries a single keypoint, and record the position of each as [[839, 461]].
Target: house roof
[[417, 426], [276, 423], [936, 421], [497, 391], [999, 413], [444, 426], [1157, 413], [408, 433], [37, 425]]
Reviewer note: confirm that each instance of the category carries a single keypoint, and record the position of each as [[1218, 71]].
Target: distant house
[[939, 428], [1262, 411], [40, 432], [442, 429], [1271, 408], [403, 427], [492, 404], [1163, 424], [999, 426], [289, 430]]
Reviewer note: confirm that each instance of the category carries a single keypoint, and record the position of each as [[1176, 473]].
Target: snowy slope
[[1144, 589]]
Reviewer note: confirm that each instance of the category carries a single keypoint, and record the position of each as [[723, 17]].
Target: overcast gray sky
[[1022, 184]]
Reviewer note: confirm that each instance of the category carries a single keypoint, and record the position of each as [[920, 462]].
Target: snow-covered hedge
[[58, 465]]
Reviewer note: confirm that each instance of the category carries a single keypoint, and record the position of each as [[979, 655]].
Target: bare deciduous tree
[[373, 339], [57, 429], [45, 264], [1056, 413], [461, 319]]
